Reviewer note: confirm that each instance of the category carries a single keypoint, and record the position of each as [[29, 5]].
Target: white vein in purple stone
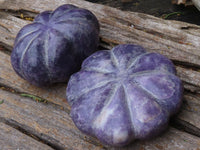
[[98, 70], [150, 72], [99, 85], [71, 19], [46, 57], [24, 36], [149, 94], [114, 59], [102, 122], [26, 49], [129, 108], [136, 59]]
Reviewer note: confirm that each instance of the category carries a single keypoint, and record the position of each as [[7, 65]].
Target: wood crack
[[48, 123], [46, 101], [4, 28], [29, 132], [185, 126]]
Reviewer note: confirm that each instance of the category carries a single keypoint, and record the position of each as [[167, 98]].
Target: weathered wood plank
[[43, 121], [189, 114], [115, 29], [171, 140], [189, 75], [8, 32], [177, 40], [7, 39], [56, 94], [11, 139], [55, 126], [9, 26]]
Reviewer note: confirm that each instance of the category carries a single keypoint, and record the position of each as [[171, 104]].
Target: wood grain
[[188, 75], [172, 140], [8, 32], [11, 139], [55, 126], [177, 40], [188, 118], [56, 94], [9, 26], [43, 121], [51, 122]]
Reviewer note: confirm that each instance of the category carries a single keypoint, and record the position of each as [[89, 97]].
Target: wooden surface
[[44, 121], [177, 40], [12, 138], [48, 123]]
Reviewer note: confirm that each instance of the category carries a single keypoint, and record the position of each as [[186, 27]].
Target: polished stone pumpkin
[[124, 94], [53, 47]]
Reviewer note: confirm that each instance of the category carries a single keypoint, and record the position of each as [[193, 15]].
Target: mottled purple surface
[[124, 94], [51, 48]]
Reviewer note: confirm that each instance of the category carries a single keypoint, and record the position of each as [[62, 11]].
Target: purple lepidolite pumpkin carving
[[124, 94], [53, 47]]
